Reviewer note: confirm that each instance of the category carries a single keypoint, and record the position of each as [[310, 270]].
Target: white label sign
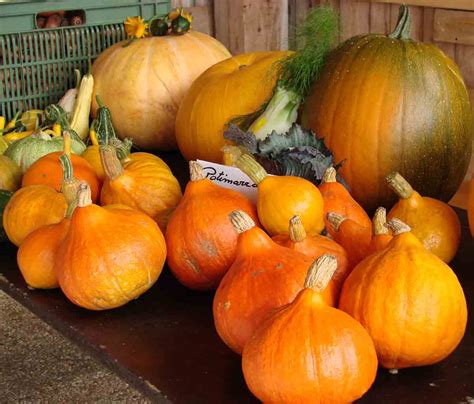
[[230, 177]]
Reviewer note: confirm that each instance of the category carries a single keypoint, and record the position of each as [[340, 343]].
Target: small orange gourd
[[381, 235], [409, 300], [48, 170], [263, 277], [109, 255], [434, 222], [36, 255], [308, 352], [144, 184], [200, 238], [351, 235], [338, 199], [282, 197], [314, 247]]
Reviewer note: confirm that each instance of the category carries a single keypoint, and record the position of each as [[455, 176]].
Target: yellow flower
[[136, 27]]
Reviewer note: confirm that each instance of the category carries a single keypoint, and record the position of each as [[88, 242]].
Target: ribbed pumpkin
[[308, 352], [109, 256], [231, 88], [144, 83], [263, 277], [314, 247], [145, 184], [30, 208], [389, 103], [200, 238], [409, 300], [10, 174]]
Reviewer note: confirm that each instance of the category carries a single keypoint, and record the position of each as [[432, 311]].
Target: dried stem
[[321, 272], [399, 185], [335, 220], [397, 226], [297, 231], [378, 222], [196, 172], [241, 221]]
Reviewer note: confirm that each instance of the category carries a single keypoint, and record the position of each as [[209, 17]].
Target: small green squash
[[389, 103]]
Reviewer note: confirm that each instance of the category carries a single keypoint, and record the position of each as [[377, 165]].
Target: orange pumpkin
[[314, 247], [263, 277], [200, 239], [109, 256], [338, 199], [234, 87], [435, 223], [31, 208], [143, 84], [144, 184], [409, 300], [352, 236], [308, 352], [381, 235]]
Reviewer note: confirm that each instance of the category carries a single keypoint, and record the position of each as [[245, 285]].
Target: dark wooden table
[[165, 344]]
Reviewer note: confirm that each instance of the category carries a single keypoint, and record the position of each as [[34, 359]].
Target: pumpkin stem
[[196, 172], [251, 167], [403, 28], [297, 231], [84, 195], [399, 185], [321, 272], [110, 162], [67, 143], [329, 175], [378, 222], [335, 220], [241, 221], [69, 185], [123, 149], [397, 226]]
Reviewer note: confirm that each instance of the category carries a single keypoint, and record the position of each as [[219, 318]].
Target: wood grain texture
[[354, 18], [453, 4], [454, 26]]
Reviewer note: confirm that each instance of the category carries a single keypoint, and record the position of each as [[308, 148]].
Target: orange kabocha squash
[[30, 208], [109, 255], [282, 197], [409, 300], [352, 236], [263, 277], [145, 184], [308, 352], [48, 171], [381, 235], [338, 199], [36, 255], [314, 247], [200, 239], [470, 207], [434, 222]]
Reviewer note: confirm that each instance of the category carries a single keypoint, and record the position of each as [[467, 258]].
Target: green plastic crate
[[37, 65]]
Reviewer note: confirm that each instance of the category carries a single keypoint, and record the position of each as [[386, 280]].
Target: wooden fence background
[[250, 25]]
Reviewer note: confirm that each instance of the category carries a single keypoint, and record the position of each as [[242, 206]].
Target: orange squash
[[31, 208], [144, 83], [434, 222], [352, 236], [338, 199], [48, 171], [144, 184], [314, 247], [282, 197], [470, 207], [263, 277], [409, 300], [381, 235], [234, 87], [308, 352], [109, 256], [36, 255], [200, 239], [10, 174]]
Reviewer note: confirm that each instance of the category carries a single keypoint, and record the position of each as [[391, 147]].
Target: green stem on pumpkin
[[403, 28]]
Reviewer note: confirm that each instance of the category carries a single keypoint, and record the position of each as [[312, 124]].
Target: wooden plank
[[417, 23], [379, 20], [221, 25], [452, 4], [354, 18], [202, 19], [464, 57], [428, 18], [454, 26]]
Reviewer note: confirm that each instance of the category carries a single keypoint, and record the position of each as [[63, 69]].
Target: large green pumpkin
[[389, 103]]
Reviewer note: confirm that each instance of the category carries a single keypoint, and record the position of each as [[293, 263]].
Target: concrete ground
[[39, 364]]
